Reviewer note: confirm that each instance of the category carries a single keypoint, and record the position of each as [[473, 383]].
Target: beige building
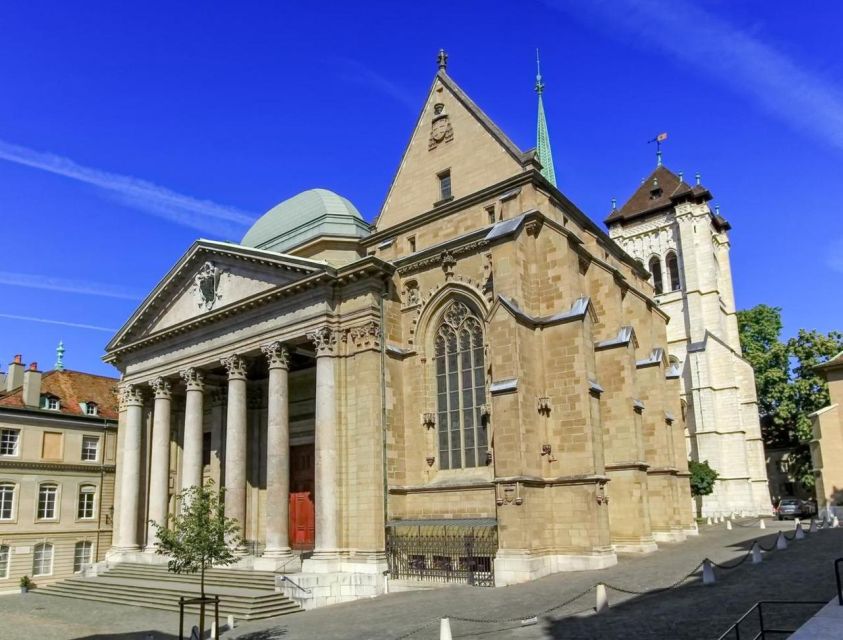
[[474, 388], [58, 444], [668, 226], [827, 441]]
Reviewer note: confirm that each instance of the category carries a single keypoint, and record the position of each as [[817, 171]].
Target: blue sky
[[127, 131]]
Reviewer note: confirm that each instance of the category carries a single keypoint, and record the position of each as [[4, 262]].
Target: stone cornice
[[538, 481], [635, 465], [56, 466], [441, 254], [439, 488]]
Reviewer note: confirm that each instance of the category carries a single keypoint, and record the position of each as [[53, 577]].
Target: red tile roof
[[72, 388]]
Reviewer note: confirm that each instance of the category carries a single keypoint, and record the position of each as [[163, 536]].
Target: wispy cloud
[[356, 72], [779, 84], [141, 195], [76, 325], [33, 281]]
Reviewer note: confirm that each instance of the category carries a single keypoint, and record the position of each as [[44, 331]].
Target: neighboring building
[[58, 444], [475, 388], [827, 441], [781, 481], [668, 227]]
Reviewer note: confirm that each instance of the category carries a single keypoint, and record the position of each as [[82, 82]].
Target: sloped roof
[[658, 191], [833, 363], [72, 388]]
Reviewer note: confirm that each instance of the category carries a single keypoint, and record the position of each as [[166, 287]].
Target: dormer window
[[90, 408], [50, 402], [655, 189]]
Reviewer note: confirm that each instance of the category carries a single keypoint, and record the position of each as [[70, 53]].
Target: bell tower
[[668, 225]]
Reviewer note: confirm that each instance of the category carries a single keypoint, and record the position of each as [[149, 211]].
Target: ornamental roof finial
[[539, 83], [59, 366], [542, 137], [442, 60]]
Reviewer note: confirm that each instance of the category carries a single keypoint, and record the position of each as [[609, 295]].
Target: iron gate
[[464, 556]]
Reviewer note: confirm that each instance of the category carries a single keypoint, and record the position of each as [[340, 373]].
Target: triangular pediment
[[212, 276], [454, 135]]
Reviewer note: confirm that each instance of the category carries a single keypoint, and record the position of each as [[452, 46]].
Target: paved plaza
[[690, 611]]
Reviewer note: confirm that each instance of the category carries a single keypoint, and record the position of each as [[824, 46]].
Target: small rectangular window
[[47, 502], [90, 448], [52, 445], [445, 185], [9, 442], [81, 556], [87, 496], [490, 213], [411, 243]]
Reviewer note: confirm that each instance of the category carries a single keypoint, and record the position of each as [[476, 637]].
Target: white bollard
[[800, 532], [602, 605], [709, 520], [214, 629], [756, 553], [230, 622], [835, 522], [728, 525], [717, 519], [813, 528], [781, 542], [708, 572], [761, 523], [797, 522], [445, 629]]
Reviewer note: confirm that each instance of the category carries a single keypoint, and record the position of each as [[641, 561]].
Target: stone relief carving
[[324, 339], [206, 285], [449, 262], [366, 335], [509, 493], [411, 293], [277, 355], [441, 130], [439, 258]]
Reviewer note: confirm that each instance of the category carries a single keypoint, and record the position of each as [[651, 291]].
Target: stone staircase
[[247, 595]]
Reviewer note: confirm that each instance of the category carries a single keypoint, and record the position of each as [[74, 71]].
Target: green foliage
[[199, 536], [26, 583], [702, 478], [789, 389]]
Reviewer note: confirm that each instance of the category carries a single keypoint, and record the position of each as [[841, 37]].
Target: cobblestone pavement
[[690, 611]]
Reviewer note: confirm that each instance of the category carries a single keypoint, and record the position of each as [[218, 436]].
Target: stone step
[[246, 579], [245, 604]]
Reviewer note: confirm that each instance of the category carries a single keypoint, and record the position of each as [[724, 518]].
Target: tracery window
[[460, 389], [673, 271], [656, 270]]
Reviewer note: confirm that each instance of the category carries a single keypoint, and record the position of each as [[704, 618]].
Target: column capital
[[365, 336], [235, 366], [277, 355], [325, 341], [162, 388], [193, 378], [130, 395]]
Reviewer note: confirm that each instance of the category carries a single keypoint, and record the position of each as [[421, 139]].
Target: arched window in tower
[[460, 389], [656, 270], [673, 271]]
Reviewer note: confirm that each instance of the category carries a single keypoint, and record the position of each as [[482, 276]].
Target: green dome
[[305, 217]]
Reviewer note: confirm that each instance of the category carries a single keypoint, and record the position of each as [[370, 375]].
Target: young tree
[[702, 478], [199, 536]]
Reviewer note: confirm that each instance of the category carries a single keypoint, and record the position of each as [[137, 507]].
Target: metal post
[[181, 617], [837, 577], [761, 621], [217, 612]]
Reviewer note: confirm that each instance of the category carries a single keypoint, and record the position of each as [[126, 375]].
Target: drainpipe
[[383, 408]]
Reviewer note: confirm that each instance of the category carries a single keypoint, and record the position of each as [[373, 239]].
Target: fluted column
[[132, 400], [277, 453], [326, 471], [235, 442], [159, 466], [191, 470]]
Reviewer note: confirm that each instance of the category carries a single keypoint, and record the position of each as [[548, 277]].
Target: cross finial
[[59, 357], [442, 60], [539, 83]]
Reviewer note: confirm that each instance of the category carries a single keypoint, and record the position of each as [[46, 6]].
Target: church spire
[[542, 137]]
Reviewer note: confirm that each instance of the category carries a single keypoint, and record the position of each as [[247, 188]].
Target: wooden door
[[302, 508]]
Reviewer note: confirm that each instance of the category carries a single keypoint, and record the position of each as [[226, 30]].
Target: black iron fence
[[462, 556]]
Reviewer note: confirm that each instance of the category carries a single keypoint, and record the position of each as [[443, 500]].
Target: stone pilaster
[[235, 442], [191, 473], [277, 452], [159, 466], [127, 536]]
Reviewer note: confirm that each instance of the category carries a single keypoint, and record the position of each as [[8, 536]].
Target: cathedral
[[481, 386]]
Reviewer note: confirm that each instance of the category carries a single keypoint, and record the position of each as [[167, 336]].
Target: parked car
[[795, 508]]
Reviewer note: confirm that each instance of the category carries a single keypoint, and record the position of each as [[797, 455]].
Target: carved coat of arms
[[440, 128], [206, 285]]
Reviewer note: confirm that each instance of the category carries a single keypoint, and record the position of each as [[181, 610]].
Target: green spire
[[542, 137], [59, 366]]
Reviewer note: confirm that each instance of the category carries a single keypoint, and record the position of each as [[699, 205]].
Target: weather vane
[[658, 140]]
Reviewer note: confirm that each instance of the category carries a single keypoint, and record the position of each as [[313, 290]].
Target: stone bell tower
[[668, 226]]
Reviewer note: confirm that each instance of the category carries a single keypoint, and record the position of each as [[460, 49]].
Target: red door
[[302, 509]]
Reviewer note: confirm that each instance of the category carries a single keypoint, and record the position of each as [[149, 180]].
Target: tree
[[702, 478], [199, 536], [789, 389]]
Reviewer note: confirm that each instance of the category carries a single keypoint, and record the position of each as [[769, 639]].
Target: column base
[[290, 563]]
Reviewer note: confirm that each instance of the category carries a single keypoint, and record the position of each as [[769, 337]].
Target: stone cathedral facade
[[669, 227], [476, 387]]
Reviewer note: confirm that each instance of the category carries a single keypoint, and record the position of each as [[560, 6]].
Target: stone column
[[127, 537], [159, 466], [191, 471], [327, 449], [235, 443], [277, 453]]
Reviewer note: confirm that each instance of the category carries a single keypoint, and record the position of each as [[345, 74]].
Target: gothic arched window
[[460, 389], [656, 270], [673, 271]]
